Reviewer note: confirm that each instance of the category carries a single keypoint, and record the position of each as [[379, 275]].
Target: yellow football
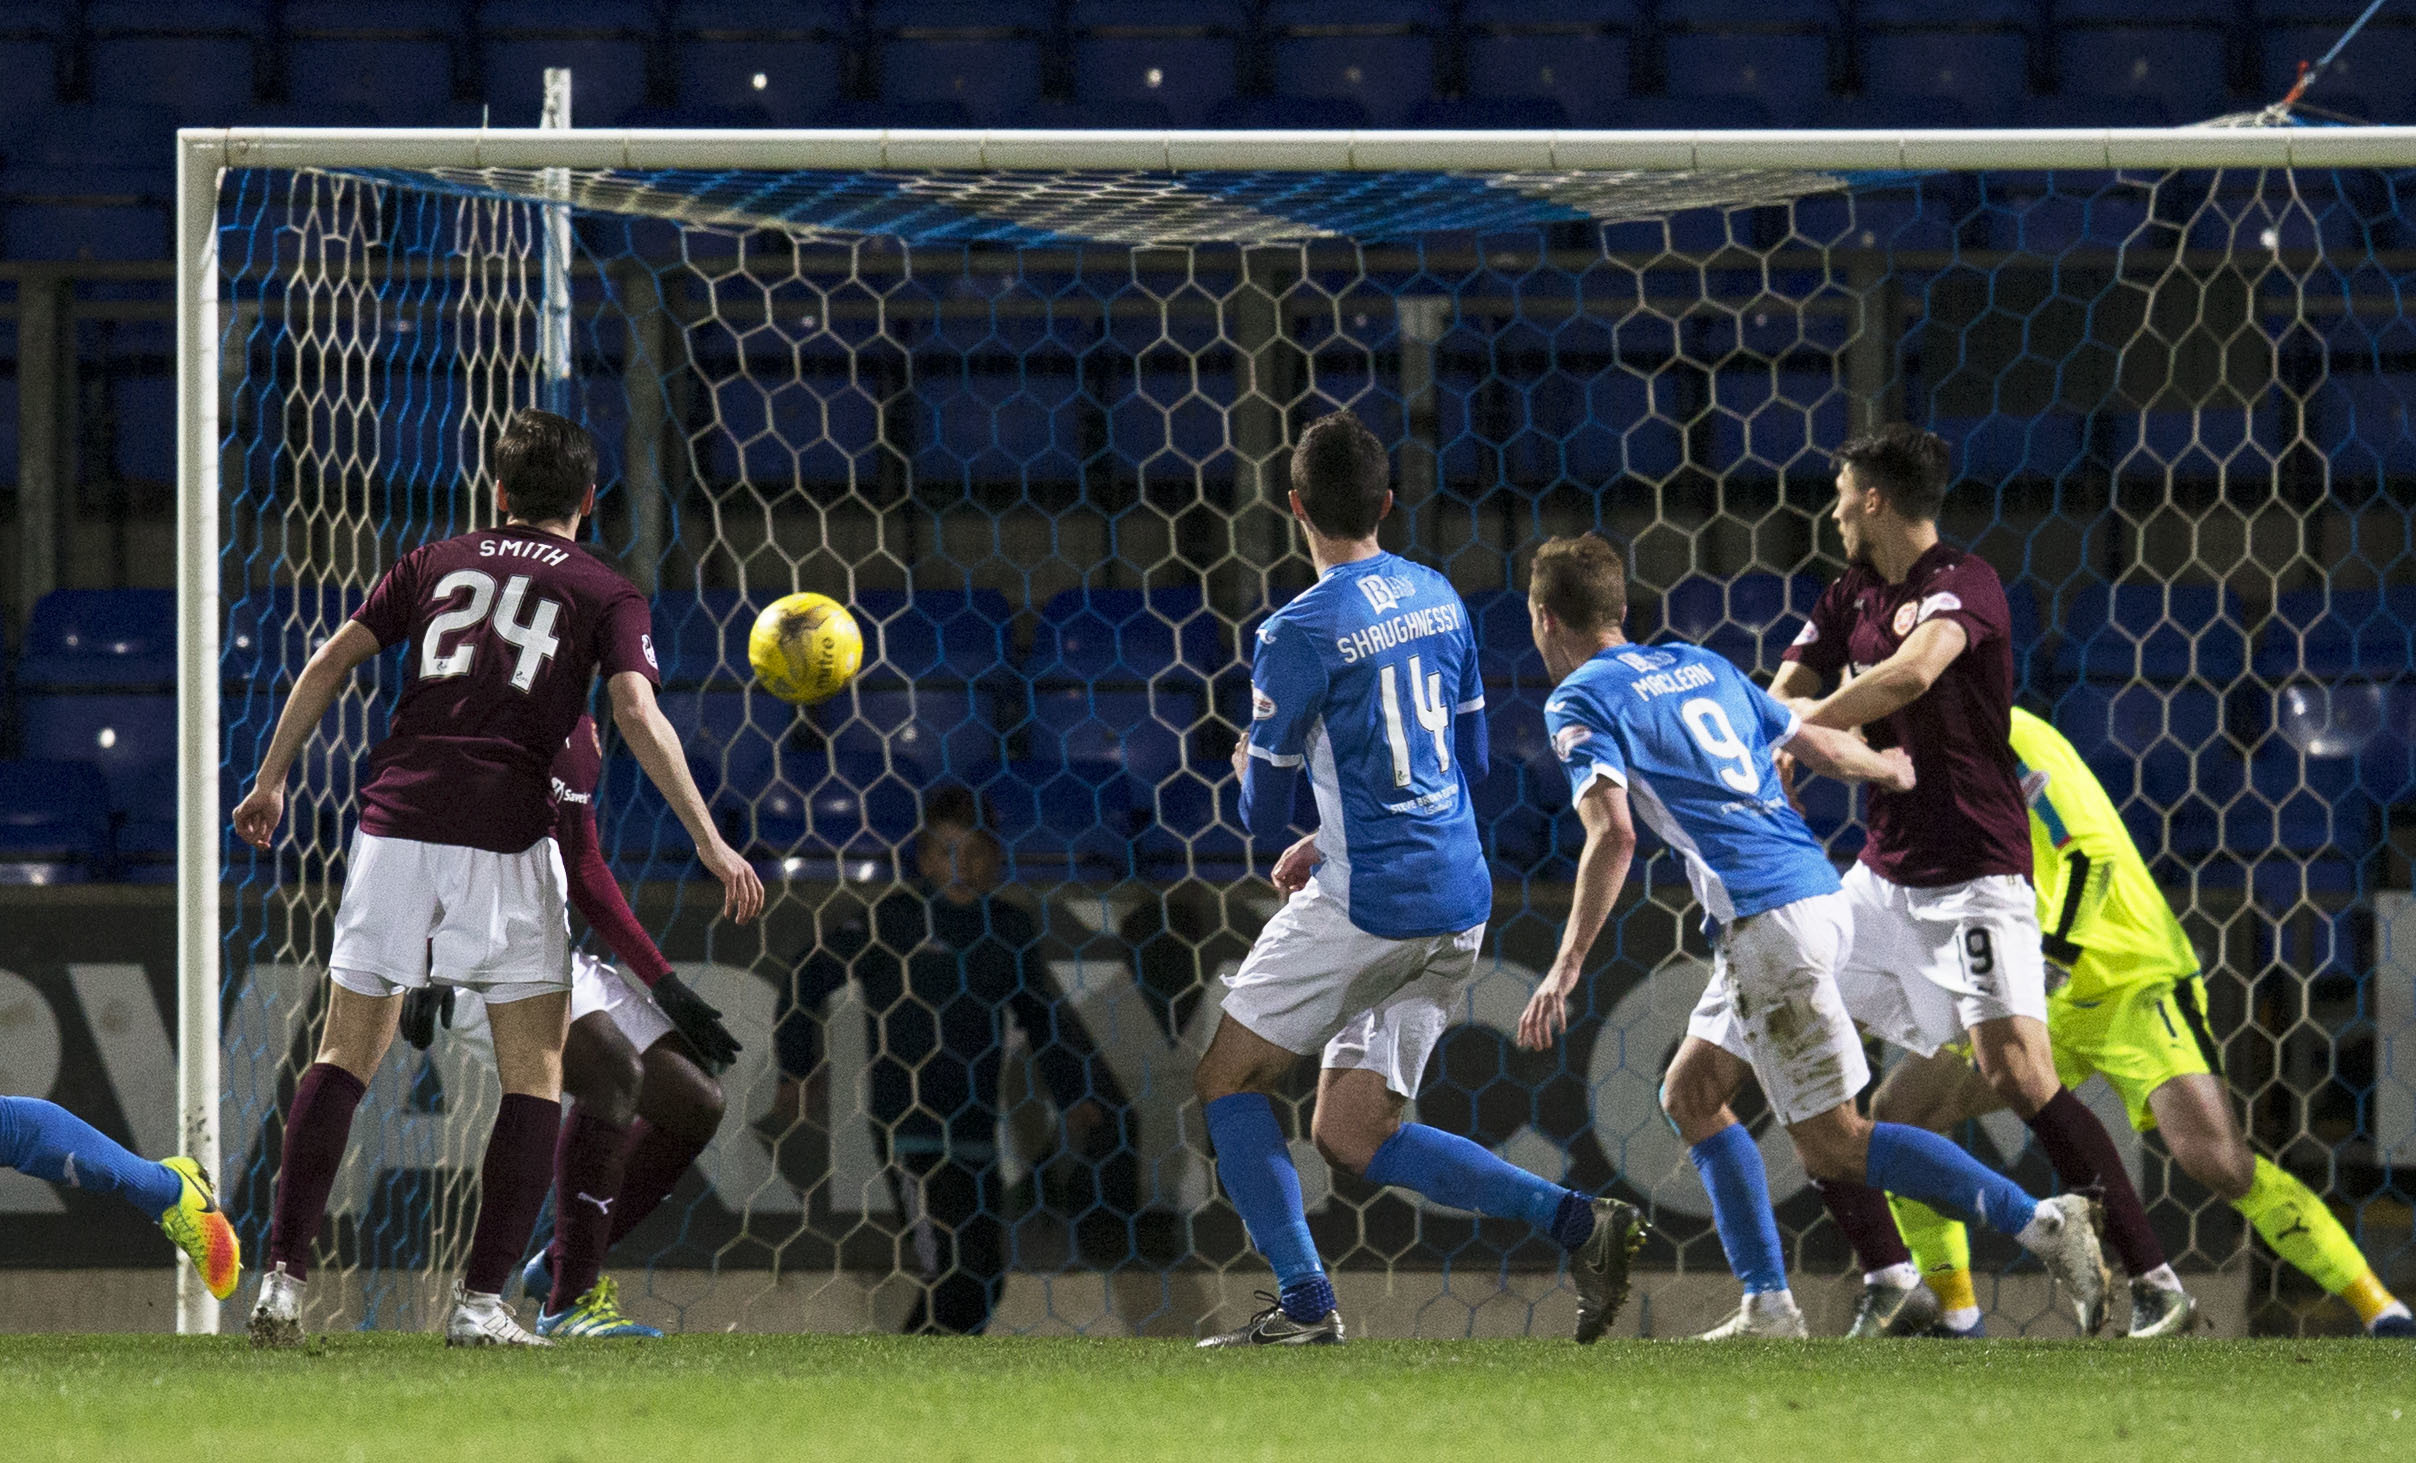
[[805, 648]]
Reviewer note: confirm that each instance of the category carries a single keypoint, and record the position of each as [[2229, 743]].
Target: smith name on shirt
[[522, 548]]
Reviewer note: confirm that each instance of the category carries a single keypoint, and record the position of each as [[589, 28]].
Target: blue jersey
[[1691, 740], [1370, 680]]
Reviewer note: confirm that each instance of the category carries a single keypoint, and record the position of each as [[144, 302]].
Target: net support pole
[[1874, 388], [198, 618], [645, 375], [1422, 320], [554, 346]]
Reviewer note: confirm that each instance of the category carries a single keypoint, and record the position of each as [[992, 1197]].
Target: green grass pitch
[[356, 1396]]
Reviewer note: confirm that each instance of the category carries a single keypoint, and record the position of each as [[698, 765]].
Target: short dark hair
[[1342, 474], [953, 805], [1581, 581], [1904, 462], [545, 464]]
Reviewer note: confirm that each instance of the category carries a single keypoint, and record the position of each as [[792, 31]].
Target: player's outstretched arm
[[330, 666], [1610, 845], [1848, 758], [1892, 684], [650, 736]]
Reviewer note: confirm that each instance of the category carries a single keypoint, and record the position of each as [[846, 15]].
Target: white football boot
[[484, 1320], [2063, 1235], [1770, 1315], [277, 1314]]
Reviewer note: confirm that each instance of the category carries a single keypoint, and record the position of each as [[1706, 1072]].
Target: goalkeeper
[[2131, 1009]]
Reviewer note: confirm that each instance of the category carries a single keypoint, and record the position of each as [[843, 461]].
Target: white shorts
[[1315, 981], [1772, 1001], [599, 985], [418, 912], [1930, 964]]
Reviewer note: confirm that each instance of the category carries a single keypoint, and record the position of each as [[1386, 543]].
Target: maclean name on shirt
[[1385, 634], [1670, 683], [522, 548]]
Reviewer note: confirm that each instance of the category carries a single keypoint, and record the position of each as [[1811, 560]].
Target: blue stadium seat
[[932, 731], [1509, 655], [1178, 54], [818, 425], [1749, 619], [91, 182], [1084, 818], [2007, 445], [2360, 422], [1197, 831], [1688, 113], [1003, 425], [1574, 54], [603, 42], [2303, 805], [642, 837], [2163, 632], [1980, 55], [2377, 63], [1142, 732], [196, 56], [272, 630], [146, 840], [122, 735], [982, 55], [796, 46], [30, 39], [2337, 633], [1518, 803], [1378, 53], [1776, 423], [394, 57], [727, 734], [1160, 424], [870, 112], [1489, 114], [1288, 114], [1742, 51], [2074, 108], [1895, 112], [808, 818], [54, 823], [2363, 724], [1093, 635], [934, 634], [700, 636], [78, 638], [2172, 52], [2162, 758], [2200, 444]]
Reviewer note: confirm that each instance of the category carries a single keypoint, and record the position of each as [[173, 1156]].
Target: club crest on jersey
[[1262, 705], [1386, 591], [1568, 739], [1907, 616]]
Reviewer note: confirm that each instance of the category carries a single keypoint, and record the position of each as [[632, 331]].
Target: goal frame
[[204, 154]]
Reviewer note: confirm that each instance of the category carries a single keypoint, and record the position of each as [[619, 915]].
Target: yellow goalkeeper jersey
[[2100, 912]]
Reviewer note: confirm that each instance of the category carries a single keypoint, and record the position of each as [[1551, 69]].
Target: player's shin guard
[[1450, 1169], [46, 1140], [1919, 1164], [511, 1186], [587, 1184], [1731, 1168], [1862, 1212], [1255, 1166], [2301, 1228], [1941, 1249], [317, 1127], [2084, 1158], [650, 1169]]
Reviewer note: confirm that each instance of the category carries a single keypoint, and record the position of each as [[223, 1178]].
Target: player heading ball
[[453, 874]]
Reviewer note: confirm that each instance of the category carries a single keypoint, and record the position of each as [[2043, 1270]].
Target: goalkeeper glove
[[695, 1019], [423, 1007]]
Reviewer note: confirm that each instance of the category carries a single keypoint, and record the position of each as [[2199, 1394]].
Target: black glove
[[697, 1021], [423, 1007]]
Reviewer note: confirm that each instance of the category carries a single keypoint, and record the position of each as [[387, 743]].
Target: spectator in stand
[[945, 964]]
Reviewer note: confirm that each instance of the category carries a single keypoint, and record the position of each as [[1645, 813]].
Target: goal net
[[1024, 403]]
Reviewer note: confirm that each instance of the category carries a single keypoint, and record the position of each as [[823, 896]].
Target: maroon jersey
[[1965, 817], [508, 628], [593, 890]]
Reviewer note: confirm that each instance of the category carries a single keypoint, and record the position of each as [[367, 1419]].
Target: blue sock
[[49, 1142], [1921, 1165], [1450, 1169], [1256, 1170], [1731, 1168]]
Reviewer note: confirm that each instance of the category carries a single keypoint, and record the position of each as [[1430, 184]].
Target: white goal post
[[204, 155]]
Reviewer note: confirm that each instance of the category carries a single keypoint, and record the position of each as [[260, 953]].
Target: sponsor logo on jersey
[[1809, 634], [1568, 739], [1908, 615], [1386, 591], [563, 794], [1939, 603], [646, 643], [1262, 705]]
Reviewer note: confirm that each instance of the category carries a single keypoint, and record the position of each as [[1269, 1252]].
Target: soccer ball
[[805, 648]]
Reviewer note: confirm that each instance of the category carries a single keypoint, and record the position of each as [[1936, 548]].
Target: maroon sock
[[650, 1170], [511, 1188], [587, 1183], [1862, 1212], [317, 1126], [2084, 1158]]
